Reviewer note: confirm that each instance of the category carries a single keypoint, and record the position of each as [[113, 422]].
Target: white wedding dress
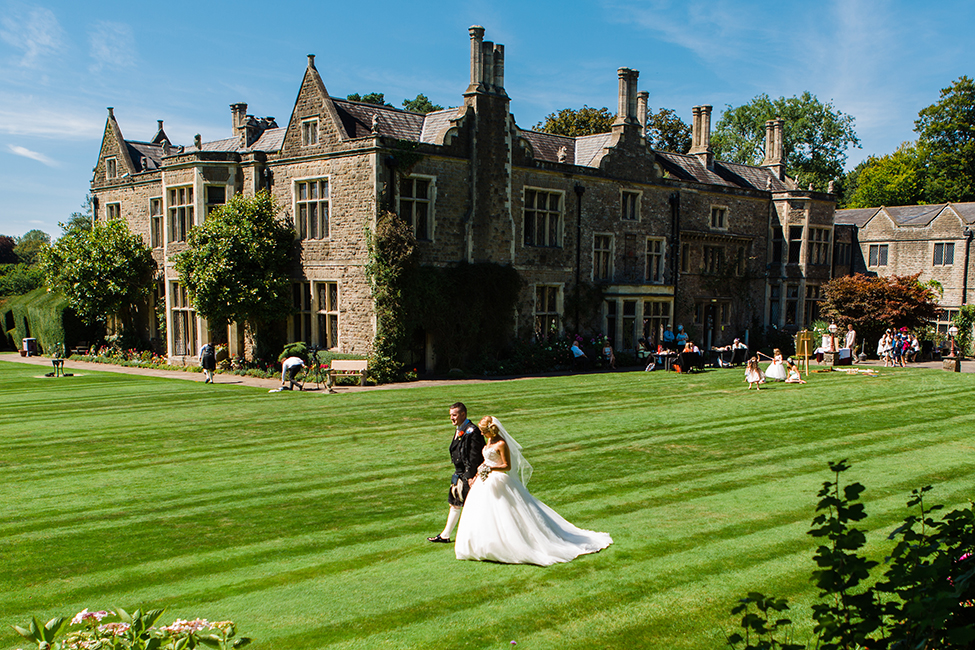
[[503, 522]]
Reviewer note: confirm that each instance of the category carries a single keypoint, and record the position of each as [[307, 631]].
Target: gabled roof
[[146, 156], [392, 122], [854, 216], [688, 167], [964, 210], [590, 146], [435, 123], [914, 215]]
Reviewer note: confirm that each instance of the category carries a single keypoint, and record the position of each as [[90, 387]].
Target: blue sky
[[63, 62]]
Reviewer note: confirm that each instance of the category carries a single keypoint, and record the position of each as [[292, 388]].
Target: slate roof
[[914, 215], [854, 216], [965, 210], [436, 123], [547, 145], [151, 152], [393, 122], [590, 146]]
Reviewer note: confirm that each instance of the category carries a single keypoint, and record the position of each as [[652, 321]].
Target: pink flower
[[115, 629], [85, 615]]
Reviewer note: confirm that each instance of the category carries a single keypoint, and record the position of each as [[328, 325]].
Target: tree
[[894, 179], [421, 105], [30, 245], [667, 132], [81, 219], [946, 131], [815, 138], [7, 254], [571, 122], [873, 304], [102, 271], [237, 266], [370, 98]]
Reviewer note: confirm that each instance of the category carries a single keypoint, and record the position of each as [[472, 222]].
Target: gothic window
[[155, 223], [309, 132], [547, 310], [819, 246], [416, 205], [944, 254], [713, 260], [311, 208], [877, 255], [630, 206], [328, 314], [543, 218], [655, 260], [602, 257], [180, 212]]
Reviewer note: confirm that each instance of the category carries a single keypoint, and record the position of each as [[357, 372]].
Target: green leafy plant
[[121, 630]]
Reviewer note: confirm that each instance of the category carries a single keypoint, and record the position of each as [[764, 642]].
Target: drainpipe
[[580, 190], [964, 281], [675, 237]]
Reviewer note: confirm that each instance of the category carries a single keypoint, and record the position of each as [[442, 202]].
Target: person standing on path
[[466, 455], [208, 361]]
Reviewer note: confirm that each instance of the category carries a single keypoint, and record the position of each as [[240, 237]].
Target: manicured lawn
[[304, 516]]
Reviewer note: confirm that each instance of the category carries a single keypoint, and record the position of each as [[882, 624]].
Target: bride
[[503, 522]]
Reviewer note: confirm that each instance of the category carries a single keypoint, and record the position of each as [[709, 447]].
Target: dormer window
[[111, 168], [309, 132]]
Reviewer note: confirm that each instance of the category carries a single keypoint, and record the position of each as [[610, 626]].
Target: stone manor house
[[667, 238]]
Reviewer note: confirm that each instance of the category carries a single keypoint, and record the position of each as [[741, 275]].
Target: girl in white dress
[[754, 375], [503, 522], [776, 370]]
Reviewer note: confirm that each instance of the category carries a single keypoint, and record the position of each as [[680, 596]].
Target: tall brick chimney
[[775, 147], [626, 111], [238, 117], [642, 99], [489, 232], [701, 136]]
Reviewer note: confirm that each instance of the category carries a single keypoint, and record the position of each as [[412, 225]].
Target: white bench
[[349, 368]]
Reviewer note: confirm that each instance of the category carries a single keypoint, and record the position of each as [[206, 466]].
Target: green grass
[[303, 517]]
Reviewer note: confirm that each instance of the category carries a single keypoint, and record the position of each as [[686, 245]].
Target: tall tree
[[873, 304], [575, 123], [667, 132], [894, 179], [30, 245], [421, 104], [103, 271], [237, 266], [369, 98], [816, 136], [946, 140]]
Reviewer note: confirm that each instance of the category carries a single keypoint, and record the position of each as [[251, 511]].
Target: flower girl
[[753, 374]]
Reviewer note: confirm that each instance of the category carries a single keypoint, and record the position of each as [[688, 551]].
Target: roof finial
[[111, 111], [311, 60]]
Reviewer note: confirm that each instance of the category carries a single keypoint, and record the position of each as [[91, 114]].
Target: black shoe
[[439, 540]]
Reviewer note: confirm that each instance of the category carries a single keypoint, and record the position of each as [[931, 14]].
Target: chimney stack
[[701, 136], [775, 147], [238, 116], [626, 111], [642, 98], [311, 61], [477, 67]]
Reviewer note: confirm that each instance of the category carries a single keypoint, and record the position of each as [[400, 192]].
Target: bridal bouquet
[[483, 471]]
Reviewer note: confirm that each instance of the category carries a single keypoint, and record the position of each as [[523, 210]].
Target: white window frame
[[296, 204], [723, 212], [309, 132], [609, 253], [559, 227], [655, 275], [409, 215], [111, 167], [630, 201]]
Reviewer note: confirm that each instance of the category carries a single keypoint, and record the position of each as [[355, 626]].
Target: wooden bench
[[80, 348], [349, 368]]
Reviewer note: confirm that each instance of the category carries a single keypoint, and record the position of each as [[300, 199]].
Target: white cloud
[[33, 155], [33, 30], [31, 116], [112, 46]]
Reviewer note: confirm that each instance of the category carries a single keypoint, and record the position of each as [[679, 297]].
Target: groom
[[465, 452]]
